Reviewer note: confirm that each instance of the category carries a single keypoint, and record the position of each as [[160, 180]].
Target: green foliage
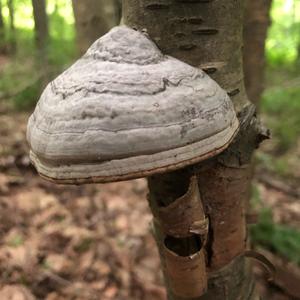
[[284, 34], [282, 107], [61, 53], [278, 165], [280, 239], [21, 79], [256, 201], [27, 98]]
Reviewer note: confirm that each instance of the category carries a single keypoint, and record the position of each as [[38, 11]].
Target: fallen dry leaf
[[15, 292]]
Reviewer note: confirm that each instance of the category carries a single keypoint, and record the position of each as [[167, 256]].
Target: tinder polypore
[[125, 110]]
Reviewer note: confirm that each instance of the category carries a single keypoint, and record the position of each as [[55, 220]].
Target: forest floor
[[94, 241]]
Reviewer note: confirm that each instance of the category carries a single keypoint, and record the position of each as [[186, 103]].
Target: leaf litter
[[75, 242]]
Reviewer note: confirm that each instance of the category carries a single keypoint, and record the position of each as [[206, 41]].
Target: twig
[[64, 282], [278, 185]]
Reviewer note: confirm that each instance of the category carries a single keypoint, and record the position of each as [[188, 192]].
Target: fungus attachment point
[[125, 110]]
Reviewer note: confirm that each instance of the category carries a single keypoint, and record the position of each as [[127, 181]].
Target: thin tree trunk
[[11, 10], [41, 38], [298, 53], [208, 34], [1, 21], [2, 30], [256, 23], [118, 10], [93, 18], [40, 25]]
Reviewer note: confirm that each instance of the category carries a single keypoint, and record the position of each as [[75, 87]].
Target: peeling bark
[[183, 217], [225, 190], [187, 273], [180, 229], [233, 281]]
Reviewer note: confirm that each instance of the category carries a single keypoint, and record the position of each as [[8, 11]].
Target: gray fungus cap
[[125, 110]]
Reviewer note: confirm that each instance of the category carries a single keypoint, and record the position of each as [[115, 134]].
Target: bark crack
[[157, 6]]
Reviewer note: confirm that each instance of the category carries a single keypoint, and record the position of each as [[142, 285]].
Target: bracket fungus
[[125, 110]]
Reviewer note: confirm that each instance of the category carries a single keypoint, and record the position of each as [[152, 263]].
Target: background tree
[[2, 30], [40, 25], [257, 21], [93, 18], [298, 45], [12, 35], [41, 40]]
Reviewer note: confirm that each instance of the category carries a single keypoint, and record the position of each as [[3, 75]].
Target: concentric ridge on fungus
[[125, 110]]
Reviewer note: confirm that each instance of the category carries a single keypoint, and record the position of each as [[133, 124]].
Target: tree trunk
[[40, 24], [256, 23], [118, 10], [298, 53], [1, 21], [208, 34], [41, 39], [93, 18], [11, 10], [2, 31]]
